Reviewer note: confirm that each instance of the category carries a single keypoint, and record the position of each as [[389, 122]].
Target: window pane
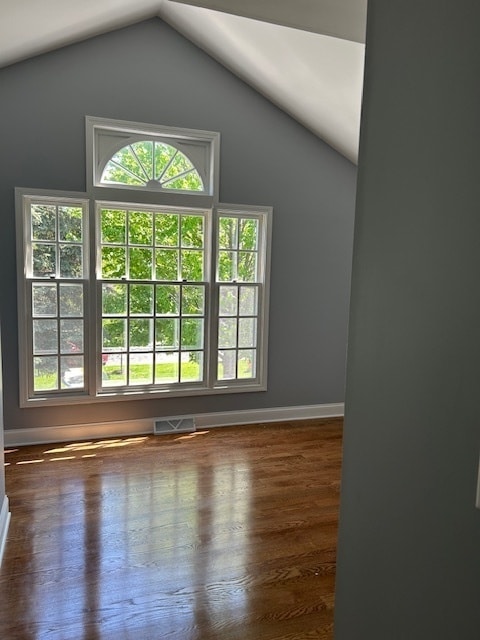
[[114, 299], [141, 299], [166, 368], [44, 260], [144, 152], [192, 265], [248, 301], [141, 333], [45, 373], [71, 261], [166, 333], [44, 220], [70, 220], [227, 333], [192, 231], [248, 234], [44, 299], [118, 174], [247, 363], [130, 166], [140, 369], [192, 333], [167, 299], [71, 336], [114, 371], [113, 262], [247, 266], [72, 372], [113, 224], [163, 154], [227, 233], [114, 333], [166, 230], [191, 367], [227, 365], [45, 337], [228, 299], [247, 332], [141, 263], [226, 266], [71, 300], [193, 300], [166, 264], [190, 181], [140, 227], [179, 164]]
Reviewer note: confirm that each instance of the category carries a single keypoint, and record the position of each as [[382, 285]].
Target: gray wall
[[409, 544], [149, 73]]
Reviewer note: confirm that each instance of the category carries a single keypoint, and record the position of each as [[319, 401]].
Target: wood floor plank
[[222, 534]]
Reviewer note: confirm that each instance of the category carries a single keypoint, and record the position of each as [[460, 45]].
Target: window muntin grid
[[159, 244], [240, 278], [56, 265], [56, 239], [153, 333], [58, 335], [154, 296], [238, 319]]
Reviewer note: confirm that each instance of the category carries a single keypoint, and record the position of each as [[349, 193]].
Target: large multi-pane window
[[129, 293], [153, 292]]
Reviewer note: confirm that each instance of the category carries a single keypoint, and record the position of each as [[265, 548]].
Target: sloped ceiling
[[305, 56]]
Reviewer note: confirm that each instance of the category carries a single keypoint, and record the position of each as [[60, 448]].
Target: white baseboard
[[4, 522], [124, 428], [278, 414]]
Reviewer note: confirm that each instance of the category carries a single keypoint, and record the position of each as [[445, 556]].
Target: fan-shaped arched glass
[[154, 165]]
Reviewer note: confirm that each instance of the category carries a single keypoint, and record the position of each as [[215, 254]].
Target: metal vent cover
[[177, 424]]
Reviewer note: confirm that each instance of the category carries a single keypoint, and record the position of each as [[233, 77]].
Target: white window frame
[[98, 195], [104, 137]]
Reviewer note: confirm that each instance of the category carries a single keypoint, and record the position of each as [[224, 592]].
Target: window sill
[[70, 399]]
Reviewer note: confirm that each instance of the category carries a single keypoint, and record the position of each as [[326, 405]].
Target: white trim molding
[[64, 433], [260, 416], [4, 523]]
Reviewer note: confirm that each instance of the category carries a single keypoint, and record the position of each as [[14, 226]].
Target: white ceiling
[[306, 57]]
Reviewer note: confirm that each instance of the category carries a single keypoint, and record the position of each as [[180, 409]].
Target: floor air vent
[[182, 424]]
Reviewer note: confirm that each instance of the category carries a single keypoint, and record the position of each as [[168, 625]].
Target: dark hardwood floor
[[223, 534]]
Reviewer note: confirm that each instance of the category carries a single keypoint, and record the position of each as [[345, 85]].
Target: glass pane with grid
[[56, 240], [152, 334], [152, 245], [237, 331], [56, 266], [153, 318], [238, 249], [58, 335], [239, 275]]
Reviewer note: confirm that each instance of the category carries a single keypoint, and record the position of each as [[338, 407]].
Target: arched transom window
[[152, 164]]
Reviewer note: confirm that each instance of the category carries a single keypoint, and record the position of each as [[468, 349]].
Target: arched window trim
[[106, 137]]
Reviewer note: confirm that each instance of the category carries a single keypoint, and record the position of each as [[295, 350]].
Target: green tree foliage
[[153, 164], [56, 234], [152, 260]]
